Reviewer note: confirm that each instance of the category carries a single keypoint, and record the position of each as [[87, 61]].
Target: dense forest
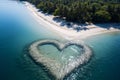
[[96, 11]]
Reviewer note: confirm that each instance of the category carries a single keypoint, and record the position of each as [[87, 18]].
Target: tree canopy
[[81, 10]]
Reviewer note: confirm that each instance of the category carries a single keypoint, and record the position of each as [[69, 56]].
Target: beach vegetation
[[96, 11]]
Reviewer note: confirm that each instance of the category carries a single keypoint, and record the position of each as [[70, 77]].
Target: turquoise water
[[18, 29], [105, 64], [68, 54]]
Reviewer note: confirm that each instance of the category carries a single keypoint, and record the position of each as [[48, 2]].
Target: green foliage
[[102, 16], [81, 10], [57, 12]]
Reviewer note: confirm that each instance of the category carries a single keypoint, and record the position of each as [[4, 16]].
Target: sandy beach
[[65, 32]]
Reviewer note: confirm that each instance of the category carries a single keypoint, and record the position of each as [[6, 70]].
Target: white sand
[[65, 32]]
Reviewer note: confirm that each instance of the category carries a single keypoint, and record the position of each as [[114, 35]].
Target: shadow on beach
[[73, 25], [109, 25], [77, 26], [80, 26]]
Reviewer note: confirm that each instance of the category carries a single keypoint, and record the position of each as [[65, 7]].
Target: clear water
[[67, 54], [18, 29], [105, 64], [106, 61]]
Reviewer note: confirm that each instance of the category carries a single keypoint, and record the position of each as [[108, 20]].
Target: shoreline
[[66, 33]]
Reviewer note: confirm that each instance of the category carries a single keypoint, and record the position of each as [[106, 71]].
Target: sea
[[18, 29]]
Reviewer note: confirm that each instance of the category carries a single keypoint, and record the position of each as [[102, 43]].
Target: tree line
[[96, 11]]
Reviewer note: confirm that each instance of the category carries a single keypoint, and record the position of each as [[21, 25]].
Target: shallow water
[[18, 29], [68, 54]]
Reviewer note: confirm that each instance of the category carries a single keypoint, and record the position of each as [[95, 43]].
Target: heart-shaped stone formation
[[58, 69]]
